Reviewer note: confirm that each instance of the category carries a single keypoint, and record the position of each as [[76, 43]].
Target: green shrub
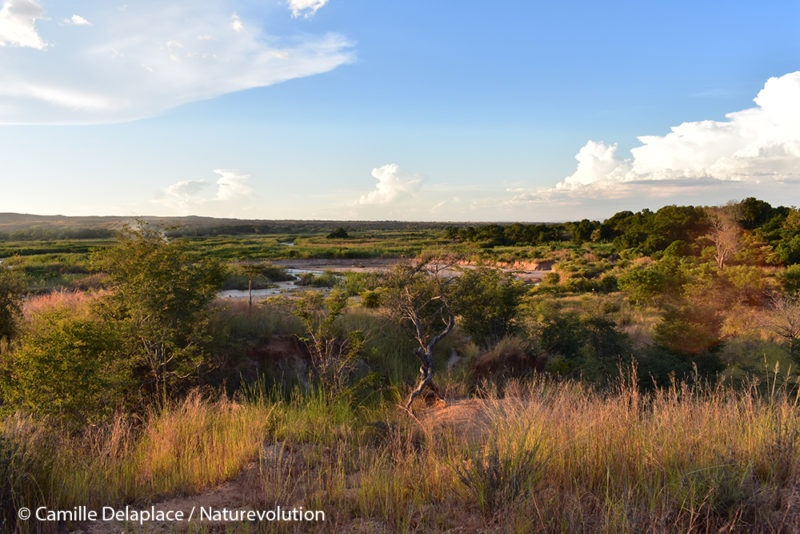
[[66, 366], [552, 278], [12, 288], [791, 279], [159, 303], [487, 301], [371, 298], [326, 279]]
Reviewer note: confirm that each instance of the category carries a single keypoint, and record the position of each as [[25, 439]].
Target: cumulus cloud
[[393, 184], [759, 145], [124, 66], [305, 7], [233, 185], [77, 20], [18, 24], [188, 196]]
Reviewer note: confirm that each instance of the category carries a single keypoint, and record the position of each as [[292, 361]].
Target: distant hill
[[23, 226]]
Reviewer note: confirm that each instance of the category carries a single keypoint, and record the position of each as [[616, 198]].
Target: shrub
[[159, 303], [487, 301], [338, 233], [12, 287], [552, 278], [496, 478], [371, 298], [791, 279], [332, 358], [68, 367], [326, 279]]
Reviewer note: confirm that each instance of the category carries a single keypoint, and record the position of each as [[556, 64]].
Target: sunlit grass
[[546, 456]]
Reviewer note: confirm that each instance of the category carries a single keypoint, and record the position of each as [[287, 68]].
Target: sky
[[415, 110]]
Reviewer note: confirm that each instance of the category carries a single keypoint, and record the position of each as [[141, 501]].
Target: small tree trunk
[[425, 355], [250, 293]]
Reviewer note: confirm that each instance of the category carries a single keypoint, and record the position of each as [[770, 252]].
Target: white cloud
[[184, 195], [233, 185], [131, 65], [78, 21], [187, 196], [236, 23], [392, 185], [18, 24], [759, 145], [305, 7]]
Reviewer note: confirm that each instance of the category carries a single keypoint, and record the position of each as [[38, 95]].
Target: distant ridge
[[31, 226]]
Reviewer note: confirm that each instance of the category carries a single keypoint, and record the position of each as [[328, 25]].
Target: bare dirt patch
[[237, 494], [340, 264]]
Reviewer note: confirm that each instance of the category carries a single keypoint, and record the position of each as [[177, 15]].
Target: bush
[[66, 366], [487, 301], [12, 288], [580, 285], [791, 279], [339, 233], [608, 284], [643, 286], [371, 298], [495, 478], [159, 303], [326, 279], [551, 279]]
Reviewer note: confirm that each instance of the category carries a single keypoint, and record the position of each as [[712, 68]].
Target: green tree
[[332, 358], [12, 289], [487, 300], [159, 300], [753, 212], [338, 233]]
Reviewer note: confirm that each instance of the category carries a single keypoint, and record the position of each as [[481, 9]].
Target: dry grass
[[77, 302], [547, 457]]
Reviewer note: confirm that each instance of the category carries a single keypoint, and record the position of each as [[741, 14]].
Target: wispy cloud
[[759, 145], [306, 8], [124, 65]]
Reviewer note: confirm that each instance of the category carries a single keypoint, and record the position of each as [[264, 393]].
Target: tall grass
[[77, 302], [543, 457], [183, 449]]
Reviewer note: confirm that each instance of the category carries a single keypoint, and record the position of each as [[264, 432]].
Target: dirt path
[[465, 418], [236, 494]]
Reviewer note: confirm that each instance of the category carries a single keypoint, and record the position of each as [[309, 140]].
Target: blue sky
[[414, 110]]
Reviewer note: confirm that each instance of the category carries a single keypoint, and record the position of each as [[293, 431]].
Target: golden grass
[[549, 457], [76, 302]]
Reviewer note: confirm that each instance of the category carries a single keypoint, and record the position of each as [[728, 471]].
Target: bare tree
[[784, 320], [724, 235], [251, 271], [418, 293]]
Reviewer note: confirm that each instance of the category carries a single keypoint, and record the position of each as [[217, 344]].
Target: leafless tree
[[784, 320], [418, 293], [724, 235]]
